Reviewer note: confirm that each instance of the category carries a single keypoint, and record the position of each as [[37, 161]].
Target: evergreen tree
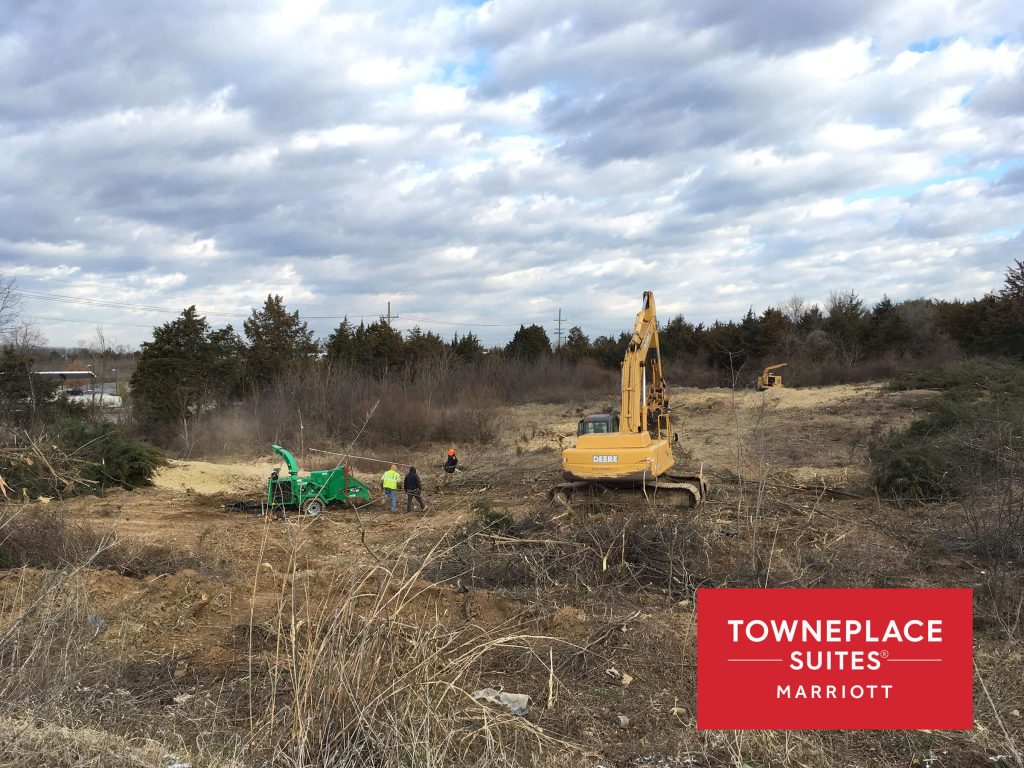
[[677, 338], [811, 319], [379, 348], [1013, 288], [468, 349], [725, 346], [749, 334], [529, 343], [967, 323], [1005, 325], [610, 352], [420, 347], [226, 354], [175, 374], [341, 346], [577, 345], [845, 322], [21, 393], [773, 329], [886, 328], [278, 341]]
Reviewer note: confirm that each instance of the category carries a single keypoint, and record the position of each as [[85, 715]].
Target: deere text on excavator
[[633, 449]]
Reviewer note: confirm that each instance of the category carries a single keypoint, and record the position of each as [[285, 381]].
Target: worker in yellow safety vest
[[389, 482]]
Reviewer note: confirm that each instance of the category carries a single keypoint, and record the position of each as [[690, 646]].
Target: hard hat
[[451, 451]]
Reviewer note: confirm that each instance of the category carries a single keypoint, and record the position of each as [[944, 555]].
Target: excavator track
[[693, 489]]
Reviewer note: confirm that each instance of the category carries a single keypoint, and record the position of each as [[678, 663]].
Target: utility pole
[[390, 316], [558, 333]]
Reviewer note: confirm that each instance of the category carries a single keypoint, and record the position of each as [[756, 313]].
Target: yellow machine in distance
[[767, 379], [636, 447]]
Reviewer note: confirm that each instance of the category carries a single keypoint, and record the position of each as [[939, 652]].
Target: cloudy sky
[[483, 165]]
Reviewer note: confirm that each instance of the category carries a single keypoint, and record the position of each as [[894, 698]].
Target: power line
[[63, 299], [89, 322], [466, 325], [105, 283], [558, 333], [119, 284], [43, 296], [149, 326]]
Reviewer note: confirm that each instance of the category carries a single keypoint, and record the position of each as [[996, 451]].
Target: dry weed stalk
[[366, 671]]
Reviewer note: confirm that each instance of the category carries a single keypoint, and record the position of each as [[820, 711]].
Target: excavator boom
[[644, 394]]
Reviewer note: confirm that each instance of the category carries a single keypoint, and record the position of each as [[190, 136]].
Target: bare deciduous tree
[[794, 308], [10, 303], [25, 338], [100, 350]]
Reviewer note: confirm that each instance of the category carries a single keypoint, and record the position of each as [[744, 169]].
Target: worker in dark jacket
[[451, 462], [413, 490]]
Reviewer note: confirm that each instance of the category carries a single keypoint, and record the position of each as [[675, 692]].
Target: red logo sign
[[892, 659]]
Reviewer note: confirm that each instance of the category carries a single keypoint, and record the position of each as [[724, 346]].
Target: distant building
[[76, 386], [71, 379]]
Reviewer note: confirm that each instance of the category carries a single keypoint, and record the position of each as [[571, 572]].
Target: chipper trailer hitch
[[309, 494]]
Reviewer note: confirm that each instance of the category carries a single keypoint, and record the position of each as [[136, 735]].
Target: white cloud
[[856, 137], [496, 159], [346, 135], [383, 71], [836, 63], [437, 99]]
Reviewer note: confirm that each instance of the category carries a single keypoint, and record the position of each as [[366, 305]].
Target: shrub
[[913, 472], [81, 458], [972, 432], [47, 539], [491, 517], [110, 458]]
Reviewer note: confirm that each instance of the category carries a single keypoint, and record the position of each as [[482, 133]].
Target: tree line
[[189, 366]]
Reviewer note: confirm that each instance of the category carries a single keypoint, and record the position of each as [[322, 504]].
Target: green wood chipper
[[312, 493]]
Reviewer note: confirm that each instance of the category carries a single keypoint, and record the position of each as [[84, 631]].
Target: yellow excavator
[[769, 380], [635, 451]]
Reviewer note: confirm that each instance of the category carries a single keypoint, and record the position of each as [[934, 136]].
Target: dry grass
[[365, 671], [343, 650], [46, 538], [29, 743], [366, 666]]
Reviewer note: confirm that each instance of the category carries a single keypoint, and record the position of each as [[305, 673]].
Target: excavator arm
[[644, 394]]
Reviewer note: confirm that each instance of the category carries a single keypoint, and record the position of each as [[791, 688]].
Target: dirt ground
[[809, 446]]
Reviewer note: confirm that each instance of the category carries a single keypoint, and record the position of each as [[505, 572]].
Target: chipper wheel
[[313, 507]]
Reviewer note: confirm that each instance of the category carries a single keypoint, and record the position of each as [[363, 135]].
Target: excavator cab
[[598, 424]]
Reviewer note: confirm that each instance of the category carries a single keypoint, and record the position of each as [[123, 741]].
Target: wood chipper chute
[[770, 380], [310, 494]]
